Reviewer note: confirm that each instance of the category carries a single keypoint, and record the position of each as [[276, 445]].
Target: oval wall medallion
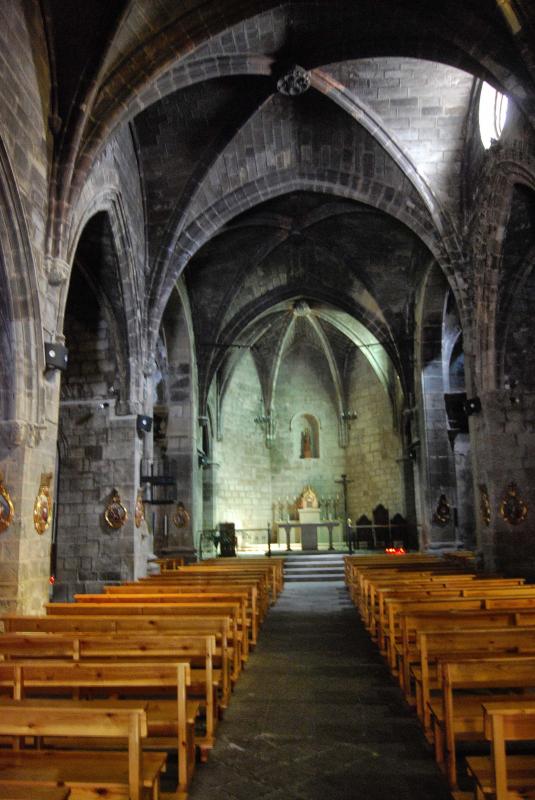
[[7, 511], [181, 516], [42, 509], [512, 508], [115, 513]]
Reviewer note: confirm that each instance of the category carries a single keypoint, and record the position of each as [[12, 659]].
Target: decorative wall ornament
[[57, 271], [442, 513], [294, 82], [7, 511], [115, 513], [308, 498], [14, 433], [484, 504], [181, 517], [42, 509], [139, 513], [512, 508]]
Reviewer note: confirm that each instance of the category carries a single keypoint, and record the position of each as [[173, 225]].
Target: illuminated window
[[492, 114]]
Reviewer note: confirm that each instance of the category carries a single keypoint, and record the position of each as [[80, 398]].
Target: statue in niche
[[306, 444]]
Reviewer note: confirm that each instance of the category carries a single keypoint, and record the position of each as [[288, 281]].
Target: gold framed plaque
[[442, 513], [7, 511], [181, 516], [512, 508], [42, 509], [115, 513]]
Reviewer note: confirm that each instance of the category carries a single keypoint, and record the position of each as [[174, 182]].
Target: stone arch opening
[[100, 448], [177, 440], [444, 466]]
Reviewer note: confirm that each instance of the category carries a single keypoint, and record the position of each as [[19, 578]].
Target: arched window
[[492, 114]]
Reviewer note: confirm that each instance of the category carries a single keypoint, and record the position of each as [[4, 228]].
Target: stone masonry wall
[[374, 446], [243, 481], [303, 388]]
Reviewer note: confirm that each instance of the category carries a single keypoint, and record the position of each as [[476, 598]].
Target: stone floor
[[316, 715]]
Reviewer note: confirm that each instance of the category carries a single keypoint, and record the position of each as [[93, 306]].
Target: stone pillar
[[29, 451], [465, 491], [102, 453], [504, 452]]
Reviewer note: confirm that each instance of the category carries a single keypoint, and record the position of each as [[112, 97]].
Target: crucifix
[[345, 481]]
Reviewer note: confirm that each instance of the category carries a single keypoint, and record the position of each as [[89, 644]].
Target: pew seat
[[115, 775]]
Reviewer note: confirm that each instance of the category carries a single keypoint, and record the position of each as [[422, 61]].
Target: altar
[[308, 524], [309, 533]]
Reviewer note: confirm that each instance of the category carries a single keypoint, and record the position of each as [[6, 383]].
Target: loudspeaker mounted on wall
[[143, 424], [56, 356], [472, 406]]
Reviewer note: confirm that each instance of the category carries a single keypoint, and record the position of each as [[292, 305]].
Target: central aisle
[[315, 715]]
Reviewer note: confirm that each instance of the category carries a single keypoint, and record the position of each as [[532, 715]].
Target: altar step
[[314, 567]]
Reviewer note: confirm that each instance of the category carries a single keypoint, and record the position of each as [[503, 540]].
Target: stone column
[[504, 452]]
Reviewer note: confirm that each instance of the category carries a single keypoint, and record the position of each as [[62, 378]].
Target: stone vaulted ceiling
[[338, 192]]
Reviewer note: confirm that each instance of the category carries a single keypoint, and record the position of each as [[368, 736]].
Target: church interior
[[261, 263]]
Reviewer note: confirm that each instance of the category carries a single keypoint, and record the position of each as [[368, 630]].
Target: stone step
[[314, 578]]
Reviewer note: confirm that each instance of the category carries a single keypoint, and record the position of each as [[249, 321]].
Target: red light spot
[[52, 580]]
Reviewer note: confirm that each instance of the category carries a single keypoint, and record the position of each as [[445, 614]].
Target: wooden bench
[[457, 714], [217, 626], [432, 646], [197, 651], [164, 609], [148, 592], [501, 776], [413, 622], [170, 722], [485, 602], [8, 792], [110, 774]]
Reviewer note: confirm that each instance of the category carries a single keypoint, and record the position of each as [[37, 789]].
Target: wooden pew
[[273, 567], [432, 646], [197, 651], [160, 605], [456, 716], [519, 597], [172, 591], [502, 776], [112, 774], [257, 589], [217, 626], [164, 609], [8, 792], [413, 622], [170, 722]]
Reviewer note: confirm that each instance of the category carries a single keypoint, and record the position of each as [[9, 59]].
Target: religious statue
[[306, 444]]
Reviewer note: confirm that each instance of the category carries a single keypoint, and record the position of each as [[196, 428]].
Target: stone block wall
[[243, 482], [374, 446], [99, 454], [304, 387]]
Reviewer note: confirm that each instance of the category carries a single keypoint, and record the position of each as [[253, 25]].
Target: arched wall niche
[[306, 435]]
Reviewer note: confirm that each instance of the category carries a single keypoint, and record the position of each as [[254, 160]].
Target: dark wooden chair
[[399, 531], [364, 533], [381, 533]]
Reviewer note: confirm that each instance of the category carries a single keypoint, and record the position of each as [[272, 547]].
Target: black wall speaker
[[143, 424], [472, 406], [56, 356]]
